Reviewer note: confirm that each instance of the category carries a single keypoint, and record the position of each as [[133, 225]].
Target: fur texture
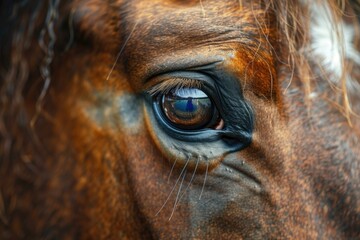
[[81, 156]]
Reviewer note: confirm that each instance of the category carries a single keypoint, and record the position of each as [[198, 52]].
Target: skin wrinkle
[[101, 170], [198, 33]]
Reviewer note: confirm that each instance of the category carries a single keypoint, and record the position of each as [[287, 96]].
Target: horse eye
[[189, 108]]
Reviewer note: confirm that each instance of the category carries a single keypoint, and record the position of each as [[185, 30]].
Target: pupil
[[188, 108], [189, 105]]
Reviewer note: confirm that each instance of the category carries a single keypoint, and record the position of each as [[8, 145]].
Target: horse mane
[[303, 23]]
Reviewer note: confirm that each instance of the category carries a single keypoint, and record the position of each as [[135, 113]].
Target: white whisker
[[192, 178], [120, 52], [172, 168], [202, 189], [177, 196], [172, 190]]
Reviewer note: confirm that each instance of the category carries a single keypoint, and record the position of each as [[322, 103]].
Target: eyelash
[[178, 83]]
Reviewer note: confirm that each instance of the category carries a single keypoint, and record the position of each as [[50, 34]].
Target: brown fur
[[73, 167]]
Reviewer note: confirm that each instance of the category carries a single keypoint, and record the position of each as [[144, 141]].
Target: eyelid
[[165, 86]]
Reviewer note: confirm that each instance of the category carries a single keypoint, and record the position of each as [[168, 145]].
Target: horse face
[[177, 119]]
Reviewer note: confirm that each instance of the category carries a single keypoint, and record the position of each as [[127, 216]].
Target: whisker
[[202, 189], [192, 178], [182, 171], [121, 51], [172, 168], [177, 200]]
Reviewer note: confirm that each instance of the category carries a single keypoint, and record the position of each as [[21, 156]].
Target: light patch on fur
[[130, 112], [333, 42], [122, 112]]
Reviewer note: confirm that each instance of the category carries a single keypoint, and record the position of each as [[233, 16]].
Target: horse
[[169, 119]]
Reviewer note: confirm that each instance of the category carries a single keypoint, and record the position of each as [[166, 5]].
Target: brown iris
[[188, 108]]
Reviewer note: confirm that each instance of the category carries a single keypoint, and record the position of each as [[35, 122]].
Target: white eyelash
[[175, 83]]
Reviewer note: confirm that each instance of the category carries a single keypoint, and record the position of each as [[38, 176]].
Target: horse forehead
[[166, 24], [140, 28], [200, 30]]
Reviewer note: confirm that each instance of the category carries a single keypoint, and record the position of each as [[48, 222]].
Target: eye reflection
[[188, 108]]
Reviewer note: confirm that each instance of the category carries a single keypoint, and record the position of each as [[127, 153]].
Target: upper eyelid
[[174, 82]]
